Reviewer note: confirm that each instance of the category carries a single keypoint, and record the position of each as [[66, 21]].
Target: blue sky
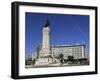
[[65, 29]]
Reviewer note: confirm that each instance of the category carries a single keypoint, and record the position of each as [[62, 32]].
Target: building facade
[[77, 51]]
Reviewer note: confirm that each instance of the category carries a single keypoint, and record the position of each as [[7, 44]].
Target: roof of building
[[75, 45]]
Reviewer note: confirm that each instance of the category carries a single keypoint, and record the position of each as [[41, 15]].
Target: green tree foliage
[[61, 57], [70, 58]]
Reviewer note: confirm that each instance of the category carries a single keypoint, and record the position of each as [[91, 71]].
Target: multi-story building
[[77, 51]]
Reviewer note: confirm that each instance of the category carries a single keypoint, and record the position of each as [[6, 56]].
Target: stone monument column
[[45, 55], [46, 51]]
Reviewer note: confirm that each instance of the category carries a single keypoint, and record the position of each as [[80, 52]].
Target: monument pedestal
[[43, 62]]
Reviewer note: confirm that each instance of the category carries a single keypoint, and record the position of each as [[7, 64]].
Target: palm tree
[[61, 58]]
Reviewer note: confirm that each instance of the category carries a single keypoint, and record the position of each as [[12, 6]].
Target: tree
[[70, 58], [33, 61], [61, 58]]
